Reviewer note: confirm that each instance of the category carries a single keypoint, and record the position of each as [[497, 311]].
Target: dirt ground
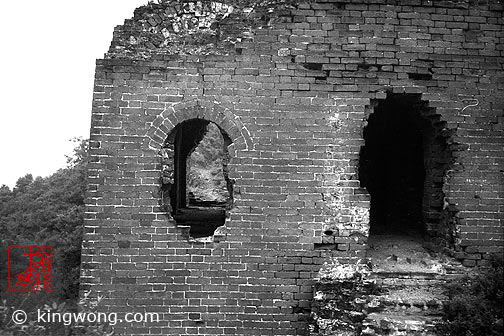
[[394, 253]]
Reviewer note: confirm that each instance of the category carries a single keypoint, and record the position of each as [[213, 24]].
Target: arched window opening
[[403, 164], [199, 192]]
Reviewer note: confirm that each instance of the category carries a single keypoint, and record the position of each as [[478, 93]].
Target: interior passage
[[392, 166]]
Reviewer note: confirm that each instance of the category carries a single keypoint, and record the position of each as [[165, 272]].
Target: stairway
[[410, 305], [412, 280], [402, 295]]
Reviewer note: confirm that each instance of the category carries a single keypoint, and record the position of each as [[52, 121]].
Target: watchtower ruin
[[338, 119]]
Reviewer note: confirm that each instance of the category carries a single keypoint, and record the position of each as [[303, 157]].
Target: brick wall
[[294, 98]]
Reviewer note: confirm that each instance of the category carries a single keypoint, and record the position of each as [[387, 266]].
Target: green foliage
[[475, 306], [46, 211]]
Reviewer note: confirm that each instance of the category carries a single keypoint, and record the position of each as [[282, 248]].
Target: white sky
[[47, 58]]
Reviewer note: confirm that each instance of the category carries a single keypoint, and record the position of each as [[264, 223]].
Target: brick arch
[[199, 109]]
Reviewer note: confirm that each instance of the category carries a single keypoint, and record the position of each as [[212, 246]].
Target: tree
[[47, 212]]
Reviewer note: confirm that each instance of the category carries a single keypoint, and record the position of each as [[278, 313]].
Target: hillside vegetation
[[46, 211]]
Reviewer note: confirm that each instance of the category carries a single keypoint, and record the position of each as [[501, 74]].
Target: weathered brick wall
[[294, 99]]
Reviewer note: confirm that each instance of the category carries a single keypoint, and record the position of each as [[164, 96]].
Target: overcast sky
[[47, 54]]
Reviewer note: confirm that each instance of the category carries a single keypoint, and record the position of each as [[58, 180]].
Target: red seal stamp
[[38, 272]]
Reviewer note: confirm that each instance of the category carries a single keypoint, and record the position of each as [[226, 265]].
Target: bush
[[475, 305]]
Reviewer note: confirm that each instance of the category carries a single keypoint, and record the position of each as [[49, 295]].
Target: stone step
[[423, 300], [417, 279], [407, 279], [408, 275], [427, 297], [398, 324]]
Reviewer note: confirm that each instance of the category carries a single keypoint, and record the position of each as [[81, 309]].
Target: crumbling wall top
[[180, 27], [206, 27]]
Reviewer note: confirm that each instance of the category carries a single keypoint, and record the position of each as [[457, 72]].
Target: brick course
[[294, 99]]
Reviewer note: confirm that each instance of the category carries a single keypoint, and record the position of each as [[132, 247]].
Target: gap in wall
[[403, 165]]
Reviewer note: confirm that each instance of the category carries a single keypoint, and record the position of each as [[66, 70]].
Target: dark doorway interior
[[392, 165]]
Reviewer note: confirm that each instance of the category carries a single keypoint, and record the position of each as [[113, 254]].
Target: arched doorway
[[403, 164]]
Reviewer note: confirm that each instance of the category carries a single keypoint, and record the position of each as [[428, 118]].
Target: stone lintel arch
[[199, 109]]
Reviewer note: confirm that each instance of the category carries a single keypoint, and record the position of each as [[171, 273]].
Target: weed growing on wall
[[475, 306]]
